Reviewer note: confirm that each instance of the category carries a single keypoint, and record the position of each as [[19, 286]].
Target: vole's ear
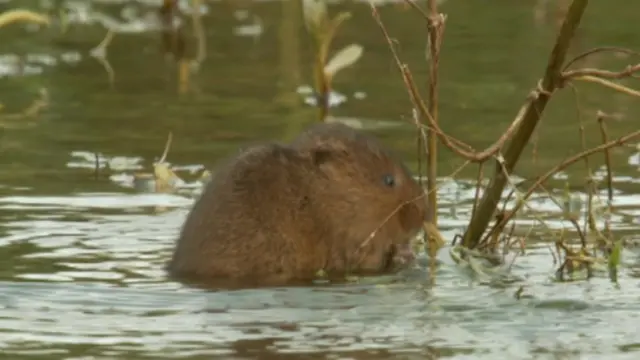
[[324, 156], [321, 156]]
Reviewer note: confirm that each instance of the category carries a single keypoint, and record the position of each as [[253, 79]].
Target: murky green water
[[82, 255]]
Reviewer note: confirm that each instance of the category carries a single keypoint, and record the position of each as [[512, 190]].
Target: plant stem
[[607, 156], [435, 23], [551, 81]]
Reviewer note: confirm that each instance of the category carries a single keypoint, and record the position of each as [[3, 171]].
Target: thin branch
[[607, 155], [478, 185], [617, 142], [569, 74], [617, 87], [599, 50], [436, 22]]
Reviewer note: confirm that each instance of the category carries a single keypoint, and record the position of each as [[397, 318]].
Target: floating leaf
[[315, 12], [12, 16], [343, 58]]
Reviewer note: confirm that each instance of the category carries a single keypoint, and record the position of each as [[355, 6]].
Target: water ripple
[[97, 281]]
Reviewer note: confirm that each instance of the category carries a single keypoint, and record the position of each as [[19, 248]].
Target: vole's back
[[249, 218]]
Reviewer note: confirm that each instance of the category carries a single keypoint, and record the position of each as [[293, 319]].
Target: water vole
[[334, 199]]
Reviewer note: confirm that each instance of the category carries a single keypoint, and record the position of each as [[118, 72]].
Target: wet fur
[[278, 213]]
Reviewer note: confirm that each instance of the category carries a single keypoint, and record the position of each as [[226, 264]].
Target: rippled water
[[82, 252], [82, 276]]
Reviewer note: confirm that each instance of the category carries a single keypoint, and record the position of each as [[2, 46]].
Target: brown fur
[[278, 213]]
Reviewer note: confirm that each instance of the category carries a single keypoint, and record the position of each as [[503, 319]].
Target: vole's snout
[[412, 216], [403, 255]]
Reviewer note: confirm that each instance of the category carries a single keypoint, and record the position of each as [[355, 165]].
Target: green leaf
[[614, 260], [616, 254], [343, 58]]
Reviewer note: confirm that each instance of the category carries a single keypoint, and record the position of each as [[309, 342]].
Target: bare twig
[[599, 50], [607, 156], [478, 185], [534, 147], [419, 104], [100, 54], [7, 120], [606, 74], [583, 142], [436, 22], [617, 142], [610, 84], [581, 234]]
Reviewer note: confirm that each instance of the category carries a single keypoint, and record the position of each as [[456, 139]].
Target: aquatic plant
[[323, 29]]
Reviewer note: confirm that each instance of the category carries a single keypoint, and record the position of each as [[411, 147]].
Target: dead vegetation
[[490, 232]]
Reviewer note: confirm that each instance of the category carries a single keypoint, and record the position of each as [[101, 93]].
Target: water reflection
[[83, 252]]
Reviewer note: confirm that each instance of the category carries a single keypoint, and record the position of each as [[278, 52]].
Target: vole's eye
[[389, 180]]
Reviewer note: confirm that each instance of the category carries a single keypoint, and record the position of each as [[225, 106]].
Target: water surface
[[82, 251]]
